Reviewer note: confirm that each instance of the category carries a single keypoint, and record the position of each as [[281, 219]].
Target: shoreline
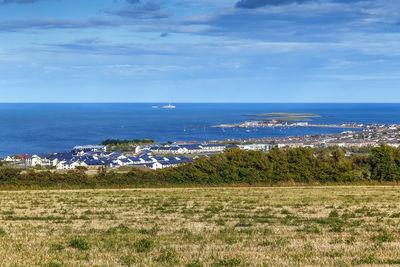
[[338, 126]]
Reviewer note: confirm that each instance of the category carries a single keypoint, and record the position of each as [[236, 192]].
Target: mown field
[[329, 226]]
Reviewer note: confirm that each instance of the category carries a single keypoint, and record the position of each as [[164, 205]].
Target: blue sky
[[200, 51]]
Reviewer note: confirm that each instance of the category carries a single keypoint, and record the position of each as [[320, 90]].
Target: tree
[[383, 164]]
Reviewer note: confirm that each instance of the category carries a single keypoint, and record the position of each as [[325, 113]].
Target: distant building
[[257, 147], [67, 165], [213, 148], [33, 161], [12, 159], [301, 124], [97, 148], [154, 165]]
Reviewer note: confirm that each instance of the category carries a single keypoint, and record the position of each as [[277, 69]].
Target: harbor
[[273, 124]]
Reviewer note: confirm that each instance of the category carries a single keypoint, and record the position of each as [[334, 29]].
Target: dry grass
[[329, 226]]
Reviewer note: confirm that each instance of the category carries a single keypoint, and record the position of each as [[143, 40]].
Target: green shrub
[[298, 165], [228, 262], [313, 229], [79, 243], [350, 240], [367, 259], [144, 245], [196, 263], [54, 264], [57, 247], [382, 237], [333, 214]]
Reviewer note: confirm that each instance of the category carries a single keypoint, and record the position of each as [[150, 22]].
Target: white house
[[167, 164], [136, 160], [393, 144], [46, 162], [53, 162], [137, 149], [67, 165], [258, 147], [33, 161], [92, 148], [12, 159], [168, 150], [123, 162], [154, 165], [213, 148]]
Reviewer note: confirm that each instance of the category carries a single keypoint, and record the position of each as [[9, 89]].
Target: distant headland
[[285, 116]]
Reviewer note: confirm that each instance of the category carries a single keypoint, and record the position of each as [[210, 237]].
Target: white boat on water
[[154, 106], [169, 106]]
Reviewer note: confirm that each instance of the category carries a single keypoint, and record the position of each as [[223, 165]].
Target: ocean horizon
[[34, 128]]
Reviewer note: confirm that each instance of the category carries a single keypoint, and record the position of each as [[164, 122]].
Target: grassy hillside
[[330, 226]]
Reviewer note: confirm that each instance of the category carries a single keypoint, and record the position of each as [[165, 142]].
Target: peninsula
[[284, 119], [285, 116]]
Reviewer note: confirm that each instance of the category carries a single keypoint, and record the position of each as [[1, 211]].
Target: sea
[[47, 128]]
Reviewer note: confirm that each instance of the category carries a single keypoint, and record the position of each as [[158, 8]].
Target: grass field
[[329, 226]]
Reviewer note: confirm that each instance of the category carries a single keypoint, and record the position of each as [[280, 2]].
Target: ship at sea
[[169, 106]]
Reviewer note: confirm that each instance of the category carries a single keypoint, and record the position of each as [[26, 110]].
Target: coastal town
[[286, 124], [370, 135], [96, 156], [157, 156]]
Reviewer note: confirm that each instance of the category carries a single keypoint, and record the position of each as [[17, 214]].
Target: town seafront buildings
[[152, 156], [157, 156], [371, 135], [94, 157]]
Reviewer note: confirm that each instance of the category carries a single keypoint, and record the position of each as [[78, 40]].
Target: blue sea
[[45, 128]]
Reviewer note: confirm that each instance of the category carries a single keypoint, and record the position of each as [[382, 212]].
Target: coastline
[[49, 128]]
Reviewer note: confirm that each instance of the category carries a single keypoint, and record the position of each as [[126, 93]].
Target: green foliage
[[124, 145], [55, 264], [301, 165], [119, 141], [144, 245], [196, 263], [57, 247], [228, 262], [79, 243], [234, 166], [350, 240], [385, 163], [333, 214], [366, 259], [312, 229], [383, 236], [82, 168]]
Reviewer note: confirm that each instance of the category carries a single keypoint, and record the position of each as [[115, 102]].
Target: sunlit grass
[[330, 226]]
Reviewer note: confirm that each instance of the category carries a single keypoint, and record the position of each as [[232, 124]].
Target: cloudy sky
[[200, 51]]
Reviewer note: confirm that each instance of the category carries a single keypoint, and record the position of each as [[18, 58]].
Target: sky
[[200, 51]]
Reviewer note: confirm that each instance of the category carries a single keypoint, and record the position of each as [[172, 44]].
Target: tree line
[[235, 166], [123, 141], [124, 145]]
